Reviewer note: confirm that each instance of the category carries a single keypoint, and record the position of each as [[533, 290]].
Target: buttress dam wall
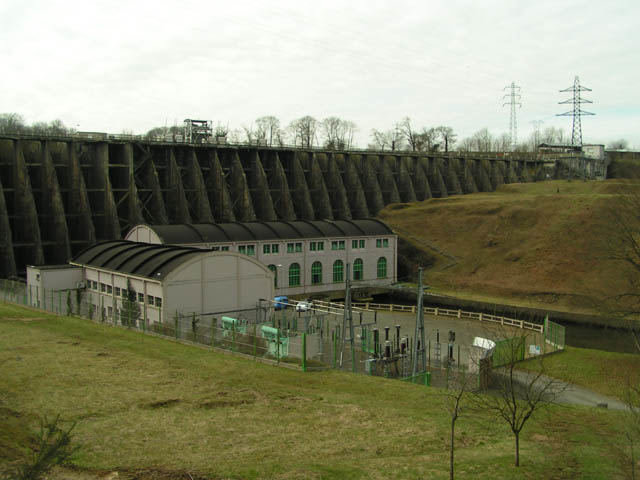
[[58, 196]]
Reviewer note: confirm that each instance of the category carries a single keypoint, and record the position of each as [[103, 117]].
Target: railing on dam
[[98, 137], [481, 317]]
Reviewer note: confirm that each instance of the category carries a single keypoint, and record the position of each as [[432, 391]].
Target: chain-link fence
[[317, 338]]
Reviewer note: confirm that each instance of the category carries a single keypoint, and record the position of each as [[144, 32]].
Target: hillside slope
[[539, 244]]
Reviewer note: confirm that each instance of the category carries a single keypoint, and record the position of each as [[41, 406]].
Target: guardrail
[[446, 312]]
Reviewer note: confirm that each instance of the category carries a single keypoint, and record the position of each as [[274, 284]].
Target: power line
[[514, 100], [576, 112]]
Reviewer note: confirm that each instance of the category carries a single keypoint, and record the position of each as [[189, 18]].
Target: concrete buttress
[[25, 227], [482, 177], [468, 183], [77, 208], [405, 186], [7, 261], [262, 202], [354, 189], [240, 195], [197, 190], [368, 169], [318, 191], [299, 189], [386, 180], [217, 191], [420, 182], [53, 226], [336, 190], [452, 181], [175, 198], [279, 187], [103, 205]]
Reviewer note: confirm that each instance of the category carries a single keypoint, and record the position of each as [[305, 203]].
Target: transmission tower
[[577, 112], [514, 100]]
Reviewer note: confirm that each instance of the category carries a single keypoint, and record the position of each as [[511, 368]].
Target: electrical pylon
[[576, 112], [514, 100]]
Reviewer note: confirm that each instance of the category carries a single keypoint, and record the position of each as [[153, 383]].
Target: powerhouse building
[[166, 279], [306, 257]]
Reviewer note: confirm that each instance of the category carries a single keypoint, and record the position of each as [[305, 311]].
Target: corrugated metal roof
[[141, 259], [254, 231]]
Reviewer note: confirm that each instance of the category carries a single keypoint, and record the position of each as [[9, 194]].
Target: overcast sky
[[110, 66]]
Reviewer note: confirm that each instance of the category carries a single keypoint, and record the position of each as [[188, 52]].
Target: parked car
[[280, 303], [303, 306]]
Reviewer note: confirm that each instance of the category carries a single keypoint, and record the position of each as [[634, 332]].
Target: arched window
[[382, 267], [274, 269], [357, 269], [338, 271], [316, 273], [294, 275]]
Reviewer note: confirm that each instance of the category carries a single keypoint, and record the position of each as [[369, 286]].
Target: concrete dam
[[60, 195]]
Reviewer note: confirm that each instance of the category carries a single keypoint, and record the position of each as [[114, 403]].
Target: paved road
[[574, 395]]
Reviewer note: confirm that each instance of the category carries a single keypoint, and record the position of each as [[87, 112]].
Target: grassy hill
[[537, 244], [149, 408]]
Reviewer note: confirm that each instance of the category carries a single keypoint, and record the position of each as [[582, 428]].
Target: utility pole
[[347, 321], [514, 100], [419, 338], [576, 112]]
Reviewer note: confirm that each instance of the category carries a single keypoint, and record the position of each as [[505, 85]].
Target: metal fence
[[310, 340]]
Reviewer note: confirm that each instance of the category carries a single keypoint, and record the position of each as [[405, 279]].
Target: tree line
[[333, 133]]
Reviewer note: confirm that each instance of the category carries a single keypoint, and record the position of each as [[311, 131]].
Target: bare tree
[[337, 134], [620, 144], [268, 129], [303, 131], [381, 140], [518, 395], [459, 386], [425, 141], [482, 140], [12, 123], [447, 135], [553, 135], [409, 134]]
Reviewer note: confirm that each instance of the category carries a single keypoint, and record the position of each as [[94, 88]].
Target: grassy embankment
[[156, 409], [541, 245], [608, 373]]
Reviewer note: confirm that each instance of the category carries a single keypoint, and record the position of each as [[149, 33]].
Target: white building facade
[[306, 257]]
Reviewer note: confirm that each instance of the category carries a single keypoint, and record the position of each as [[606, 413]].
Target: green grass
[[607, 373], [540, 245], [145, 405]]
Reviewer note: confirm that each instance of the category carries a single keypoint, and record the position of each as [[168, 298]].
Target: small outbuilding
[[170, 279]]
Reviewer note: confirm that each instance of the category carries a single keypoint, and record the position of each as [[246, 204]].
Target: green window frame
[[316, 273], [251, 250], [338, 271], [382, 267], [358, 267], [298, 247], [334, 245], [378, 243], [385, 242], [341, 245], [215, 249], [290, 247], [274, 269], [242, 249], [224, 248], [275, 248], [141, 297], [266, 248], [320, 245], [312, 246], [354, 243], [294, 275], [362, 243], [158, 302]]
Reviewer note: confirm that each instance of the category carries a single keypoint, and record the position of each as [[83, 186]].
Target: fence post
[[436, 312], [459, 313], [333, 344], [278, 345], [233, 337], [304, 352], [51, 304], [214, 326], [175, 321], [480, 316], [255, 339]]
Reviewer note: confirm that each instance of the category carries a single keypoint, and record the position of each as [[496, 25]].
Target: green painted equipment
[[271, 335], [231, 325]]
